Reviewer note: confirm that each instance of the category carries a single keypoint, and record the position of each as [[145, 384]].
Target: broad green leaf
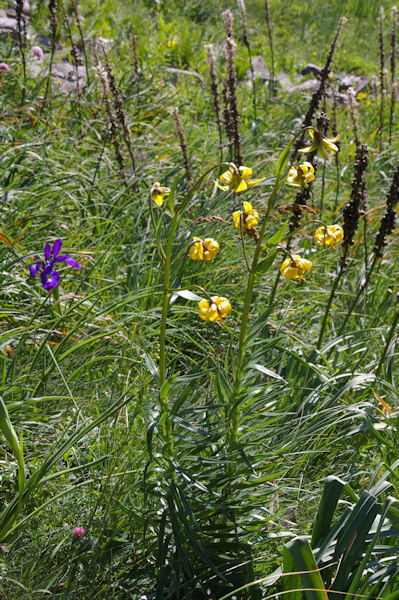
[[332, 490], [305, 563]]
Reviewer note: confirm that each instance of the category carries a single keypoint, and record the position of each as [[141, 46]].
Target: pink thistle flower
[[4, 67], [78, 532], [37, 53], [3, 549]]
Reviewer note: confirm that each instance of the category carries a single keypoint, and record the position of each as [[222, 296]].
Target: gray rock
[[358, 83], [341, 98], [64, 77], [47, 42], [11, 10], [260, 68], [309, 85], [262, 72], [284, 81], [64, 71], [8, 25], [311, 69]]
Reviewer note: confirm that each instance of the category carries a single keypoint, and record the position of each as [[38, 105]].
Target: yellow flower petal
[[242, 186], [226, 177], [307, 149], [245, 172], [158, 198], [254, 182]]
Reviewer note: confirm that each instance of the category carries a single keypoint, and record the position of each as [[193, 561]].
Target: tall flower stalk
[[166, 255], [269, 27], [319, 93], [387, 226], [233, 415], [351, 216], [394, 15], [211, 62], [231, 87], [244, 24], [21, 28], [382, 70]]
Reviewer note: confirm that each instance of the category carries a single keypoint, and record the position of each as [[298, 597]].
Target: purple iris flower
[[49, 277]]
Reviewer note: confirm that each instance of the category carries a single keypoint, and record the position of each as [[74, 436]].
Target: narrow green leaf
[[151, 366], [266, 263], [188, 295], [284, 156], [268, 372], [278, 236]]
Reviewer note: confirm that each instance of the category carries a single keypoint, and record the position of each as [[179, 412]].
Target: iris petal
[[73, 263], [35, 268], [57, 247], [49, 279], [47, 251]]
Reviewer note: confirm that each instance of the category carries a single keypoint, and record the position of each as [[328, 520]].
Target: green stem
[[163, 399], [233, 413], [328, 307]]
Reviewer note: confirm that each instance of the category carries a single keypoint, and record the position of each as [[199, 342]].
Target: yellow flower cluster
[[248, 218], [205, 250], [157, 193], [294, 267], [215, 310], [329, 236], [321, 144], [301, 175], [237, 179]]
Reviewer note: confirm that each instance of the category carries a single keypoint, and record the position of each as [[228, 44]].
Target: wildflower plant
[[300, 175], [294, 267], [49, 277], [205, 250], [215, 309], [158, 193], [237, 179], [329, 236], [246, 219], [321, 144]]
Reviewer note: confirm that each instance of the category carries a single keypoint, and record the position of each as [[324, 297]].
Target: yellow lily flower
[[205, 250], [329, 236], [249, 217], [321, 144], [157, 193], [215, 310], [301, 175], [237, 179], [295, 267]]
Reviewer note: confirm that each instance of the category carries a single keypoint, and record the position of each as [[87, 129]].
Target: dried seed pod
[[387, 224]]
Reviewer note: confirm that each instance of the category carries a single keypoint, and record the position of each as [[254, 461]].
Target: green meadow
[[199, 300]]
